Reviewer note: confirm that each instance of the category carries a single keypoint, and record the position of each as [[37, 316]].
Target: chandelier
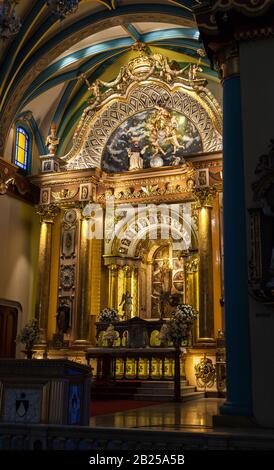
[[9, 22], [62, 8]]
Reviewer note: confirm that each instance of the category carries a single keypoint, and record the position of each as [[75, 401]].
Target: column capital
[[127, 270], [113, 268], [204, 196], [195, 264], [188, 267], [48, 213]]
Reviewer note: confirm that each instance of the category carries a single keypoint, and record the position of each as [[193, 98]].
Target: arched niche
[[99, 124]]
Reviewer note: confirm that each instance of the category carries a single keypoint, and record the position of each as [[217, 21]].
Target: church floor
[[193, 416], [192, 421]]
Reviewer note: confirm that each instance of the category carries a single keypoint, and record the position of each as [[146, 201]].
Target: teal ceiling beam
[[35, 37], [186, 43], [17, 40], [178, 46], [182, 33], [63, 101], [92, 19], [44, 82], [133, 32], [77, 98], [50, 83], [75, 57], [206, 69], [74, 119], [63, 77]]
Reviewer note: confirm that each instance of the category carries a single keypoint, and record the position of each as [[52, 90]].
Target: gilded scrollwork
[[205, 372], [64, 194], [146, 82], [204, 196], [48, 213], [67, 277]]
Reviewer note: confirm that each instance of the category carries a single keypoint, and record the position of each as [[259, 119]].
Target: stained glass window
[[22, 149]]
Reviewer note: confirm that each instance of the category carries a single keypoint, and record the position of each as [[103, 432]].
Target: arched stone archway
[[130, 255]]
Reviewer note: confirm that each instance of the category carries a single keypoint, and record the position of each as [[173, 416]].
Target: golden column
[[135, 293], [47, 216], [128, 284], [96, 260], [85, 280], [204, 196], [195, 270], [113, 286], [189, 283], [192, 290]]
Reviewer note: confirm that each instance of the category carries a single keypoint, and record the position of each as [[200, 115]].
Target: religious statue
[[63, 319], [134, 154], [165, 275], [163, 131], [94, 88], [127, 301], [192, 70], [52, 140]]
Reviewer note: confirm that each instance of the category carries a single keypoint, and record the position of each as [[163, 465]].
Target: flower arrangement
[[109, 315], [179, 326], [110, 335], [29, 334]]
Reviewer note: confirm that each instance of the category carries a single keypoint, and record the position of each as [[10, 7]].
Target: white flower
[[109, 315], [179, 326], [29, 334]]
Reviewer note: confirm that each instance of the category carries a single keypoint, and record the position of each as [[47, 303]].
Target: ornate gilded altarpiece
[[172, 121]]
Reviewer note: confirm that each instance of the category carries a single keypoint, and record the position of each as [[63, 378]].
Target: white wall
[[19, 238], [257, 71]]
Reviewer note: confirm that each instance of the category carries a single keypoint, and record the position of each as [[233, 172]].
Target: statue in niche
[[63, 319], [126, 301], [62, 326], [52, 140], [134, 154], [166, 275]]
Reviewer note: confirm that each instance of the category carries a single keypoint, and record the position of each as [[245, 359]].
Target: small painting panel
[[22, 405], [68, 242], [85, 192], [45, 196], [202, 178]]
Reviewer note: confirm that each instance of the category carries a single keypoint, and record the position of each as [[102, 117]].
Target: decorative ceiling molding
[[38, 58]]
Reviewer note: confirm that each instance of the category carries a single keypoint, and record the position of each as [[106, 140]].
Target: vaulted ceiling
[[41, 65]]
